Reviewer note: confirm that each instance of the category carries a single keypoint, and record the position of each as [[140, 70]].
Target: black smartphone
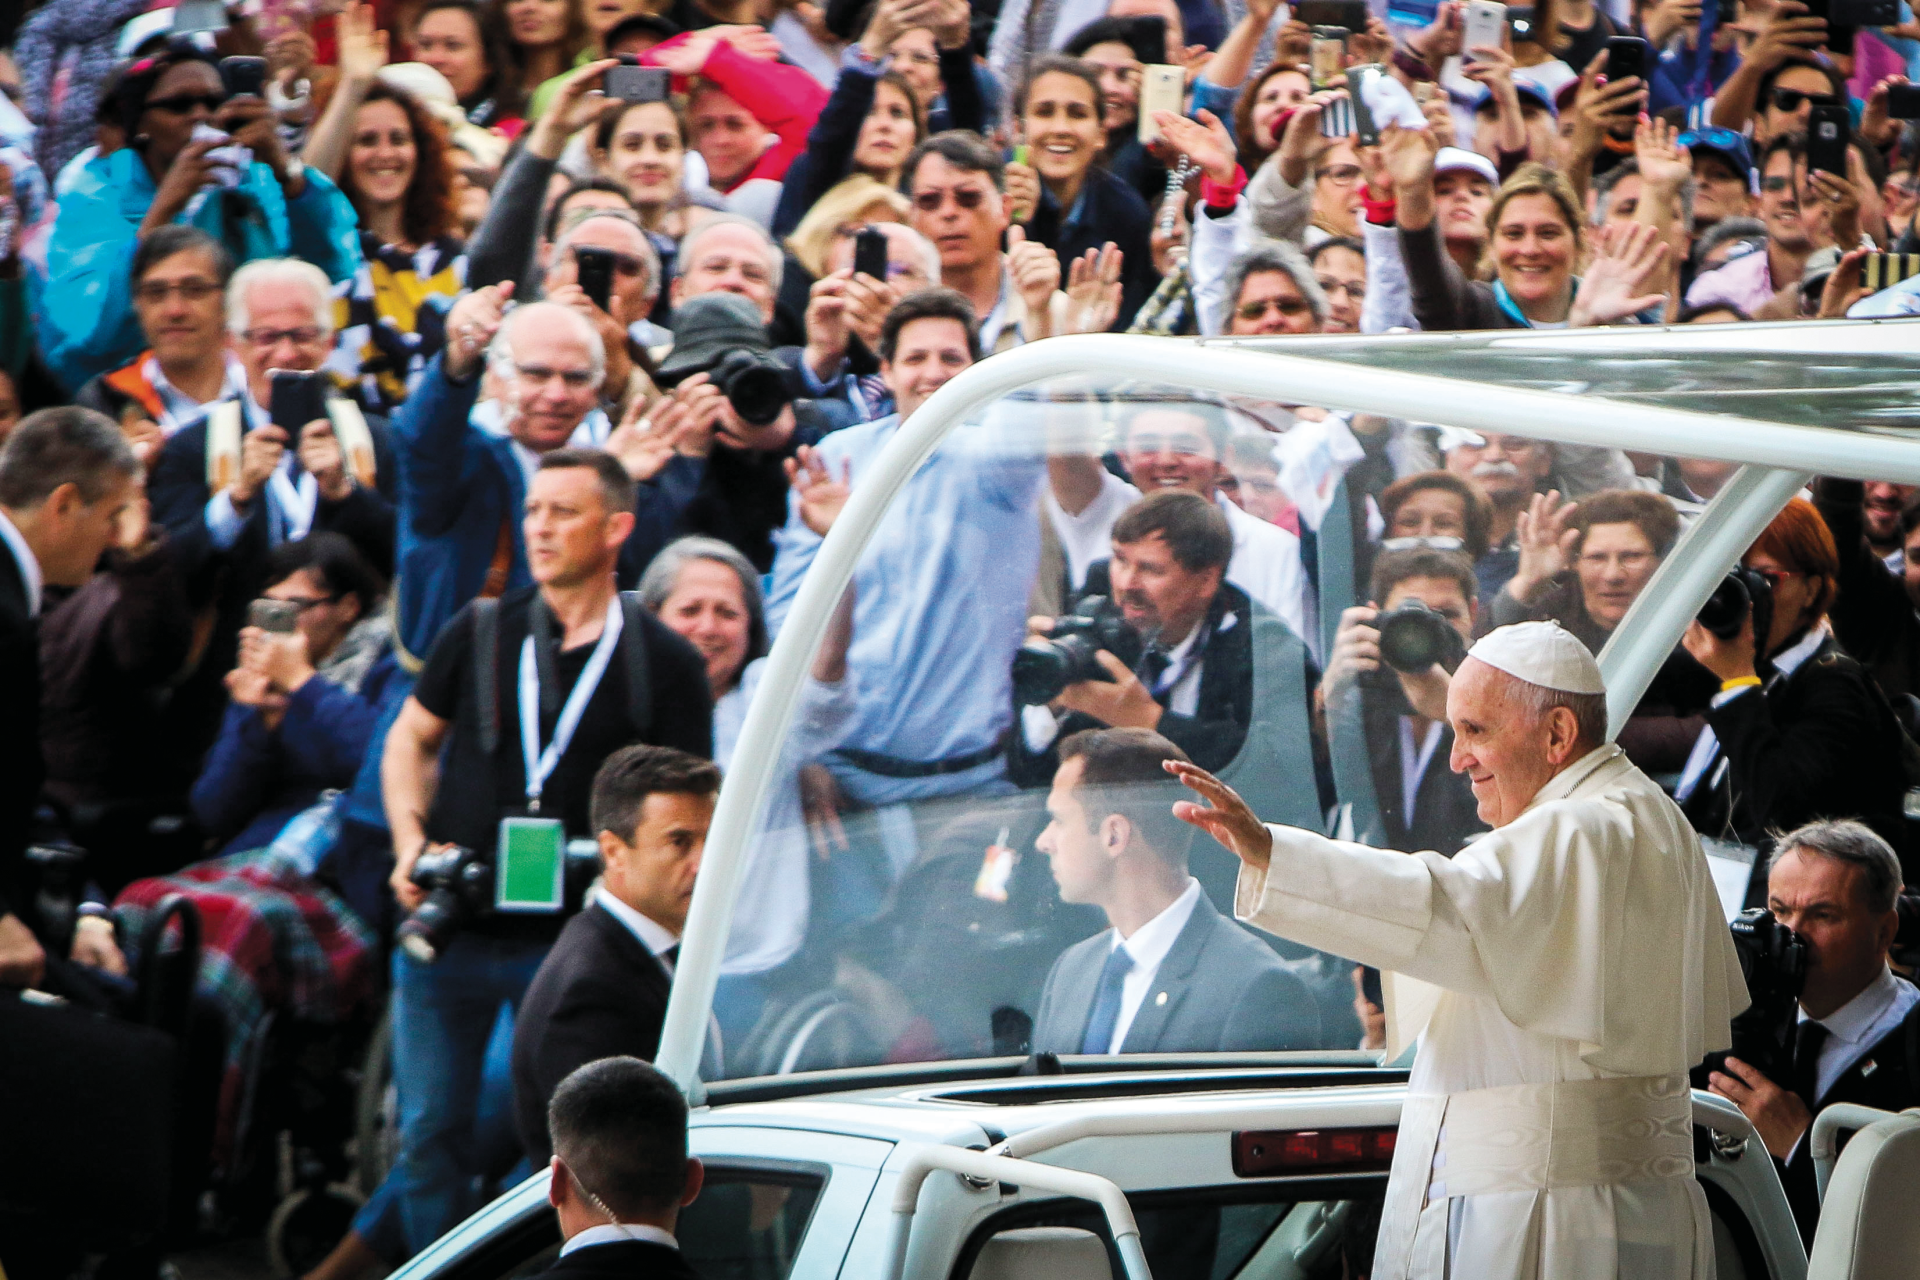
[[595, 267], [1828, 132], [1365, 131], [1520, 22], [1903, 101], [1839, 35], [1348, 14], [1864, 13], [192, 17], [1626, 56], [1370, 987], [870, 253], [637, 84], [1726, 13], [299, 397], [244, 75], [1883, 270]]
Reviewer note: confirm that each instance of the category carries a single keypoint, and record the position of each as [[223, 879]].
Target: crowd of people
[[417, 417]]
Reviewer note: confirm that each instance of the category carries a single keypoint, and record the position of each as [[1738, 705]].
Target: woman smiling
[[643, 147]]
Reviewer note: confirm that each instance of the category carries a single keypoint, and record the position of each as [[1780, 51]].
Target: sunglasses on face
[[625, 263], [183, 103], [1774, 183], [1790, 99], [1285, 306], [302, 337], [966, 197], [158, 291]]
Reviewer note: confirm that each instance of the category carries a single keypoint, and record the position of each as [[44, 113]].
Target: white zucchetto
[[1542, 653]]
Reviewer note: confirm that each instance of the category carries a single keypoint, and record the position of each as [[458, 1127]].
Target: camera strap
[[540, 764]]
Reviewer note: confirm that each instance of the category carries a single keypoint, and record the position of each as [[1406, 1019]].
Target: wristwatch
[[295, 174]]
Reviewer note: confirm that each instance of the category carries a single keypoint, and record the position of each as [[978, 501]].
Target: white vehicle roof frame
[[1778, 457]]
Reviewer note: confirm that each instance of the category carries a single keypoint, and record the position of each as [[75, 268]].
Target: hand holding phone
[[594, 270], [1829, 129], [1626, 56], [870, 253], [243, 76], [1486, 26], [636, 84], [1162, 88], [299, 396]]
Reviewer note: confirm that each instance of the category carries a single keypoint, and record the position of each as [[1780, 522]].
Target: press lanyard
[[541, 764]]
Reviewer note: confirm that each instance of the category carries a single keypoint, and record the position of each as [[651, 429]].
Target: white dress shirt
[[655, 937], [1860, 1024], [1149, 946], [616, 1232], [16, 542]]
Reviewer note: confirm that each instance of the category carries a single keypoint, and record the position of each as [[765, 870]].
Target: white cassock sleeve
[[1519, 916]]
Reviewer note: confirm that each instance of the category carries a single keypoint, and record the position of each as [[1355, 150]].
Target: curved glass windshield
[[969, 847]]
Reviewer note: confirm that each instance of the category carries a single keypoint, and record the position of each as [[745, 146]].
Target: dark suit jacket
[[1446, 815], [21, 767], [598, 994], [1887, 1077], [1215, 732], [1821, 743], [624, 1260], [1219, 989]]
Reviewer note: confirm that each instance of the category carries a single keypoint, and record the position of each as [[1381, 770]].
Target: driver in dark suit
[[1171, 974], [621, 1173]]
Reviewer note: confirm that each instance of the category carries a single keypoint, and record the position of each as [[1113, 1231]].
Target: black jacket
[[1886, 1077], [1446, 815], [1872, 617], [1213, 735], [1818, 743], [598, 994], [622, 1260], [21, 768], [1108, 210]]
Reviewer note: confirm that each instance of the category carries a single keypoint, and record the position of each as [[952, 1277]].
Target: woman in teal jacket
[[278, 208]]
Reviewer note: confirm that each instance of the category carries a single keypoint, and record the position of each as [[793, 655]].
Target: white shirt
[[1086, 536], [1706, 748], [615, 1232], [28, 562], [1149, 946], [1860, 1024], [177, 408], [655, 937], [1414, 759]]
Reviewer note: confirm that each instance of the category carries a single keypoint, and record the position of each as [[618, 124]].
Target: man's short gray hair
[[775, 262], [500, 350], [649, 257], [1275, 255], [1589, 709], [278, 271], [61, 446], [1857, 845]]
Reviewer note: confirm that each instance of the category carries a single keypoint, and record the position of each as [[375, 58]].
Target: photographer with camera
[[490, 766], [1798, 730], [1855, 1033], [1164, 649], [1397, 658]]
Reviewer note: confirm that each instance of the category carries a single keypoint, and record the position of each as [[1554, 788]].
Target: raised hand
[[1205, 141], [1664, 163], [1023, 192], [1843, 287], [1224, 816], [643, 451], [1407, 155], [819, 496], [1093, 290], [1036, 275], [324, 459], [471, 324], [1630, 257], [361, 44], [577, 103], [1546, 544]]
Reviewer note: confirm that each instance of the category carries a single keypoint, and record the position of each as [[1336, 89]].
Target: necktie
[[1806, 1061], [671, 957], [1153, 665], [1106, 1003]]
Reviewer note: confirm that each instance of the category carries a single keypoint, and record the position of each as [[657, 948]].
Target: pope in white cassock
[[1561, 974]]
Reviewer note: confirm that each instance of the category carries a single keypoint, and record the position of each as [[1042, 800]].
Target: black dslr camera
[[1043, 668], [1743, 590], [459, 885], [1773, 960], [753, 384], [1414, 636]]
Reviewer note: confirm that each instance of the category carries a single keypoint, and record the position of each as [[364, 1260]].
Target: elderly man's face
[[551, 387], [1825, 900], [1506, 467], [287, 328], [1270, 302], [728, 259], [906, 263], [1507, 753]]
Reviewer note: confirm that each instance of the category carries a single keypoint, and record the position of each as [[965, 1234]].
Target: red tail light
[[1270, 1152]]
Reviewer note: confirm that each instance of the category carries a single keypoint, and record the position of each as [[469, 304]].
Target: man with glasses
[[180, 279], [232, 485], [1270, 289], [958, 186]]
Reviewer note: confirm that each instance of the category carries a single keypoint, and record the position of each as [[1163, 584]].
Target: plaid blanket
[[272, 940]]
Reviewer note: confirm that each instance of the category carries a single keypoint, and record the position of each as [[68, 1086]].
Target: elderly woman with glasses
[[194, 155]]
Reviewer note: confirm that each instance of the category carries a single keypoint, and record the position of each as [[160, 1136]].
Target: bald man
[[464, 462], [1560, 974]]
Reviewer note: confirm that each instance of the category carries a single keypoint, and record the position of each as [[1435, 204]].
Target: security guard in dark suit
[[1858, 1035]]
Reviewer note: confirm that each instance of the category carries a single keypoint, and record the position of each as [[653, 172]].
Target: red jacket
[[783, 98]]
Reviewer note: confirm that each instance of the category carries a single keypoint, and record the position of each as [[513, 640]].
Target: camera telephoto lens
[[1413, 637], [1727, 607], [754, 385]]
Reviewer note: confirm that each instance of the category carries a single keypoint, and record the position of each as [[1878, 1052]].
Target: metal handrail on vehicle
[[922, 1159], [1824, 1142]]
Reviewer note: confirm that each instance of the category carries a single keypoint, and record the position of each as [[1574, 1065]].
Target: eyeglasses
[[1260, 306], [1340, 175], [918, 57], [301, 605], [182, 103], [1790, 99], [158, 291], [966, 197], [626, 264], [1354, 289], [1775, 577], [306, 336], [1774, 183], [574, 379]]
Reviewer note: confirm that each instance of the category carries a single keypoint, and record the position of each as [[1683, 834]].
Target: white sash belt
[[1533, 1137]]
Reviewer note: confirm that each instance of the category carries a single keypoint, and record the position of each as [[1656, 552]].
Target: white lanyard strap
[[541, 764]]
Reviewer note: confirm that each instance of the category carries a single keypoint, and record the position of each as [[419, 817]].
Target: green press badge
[[530, 865]]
